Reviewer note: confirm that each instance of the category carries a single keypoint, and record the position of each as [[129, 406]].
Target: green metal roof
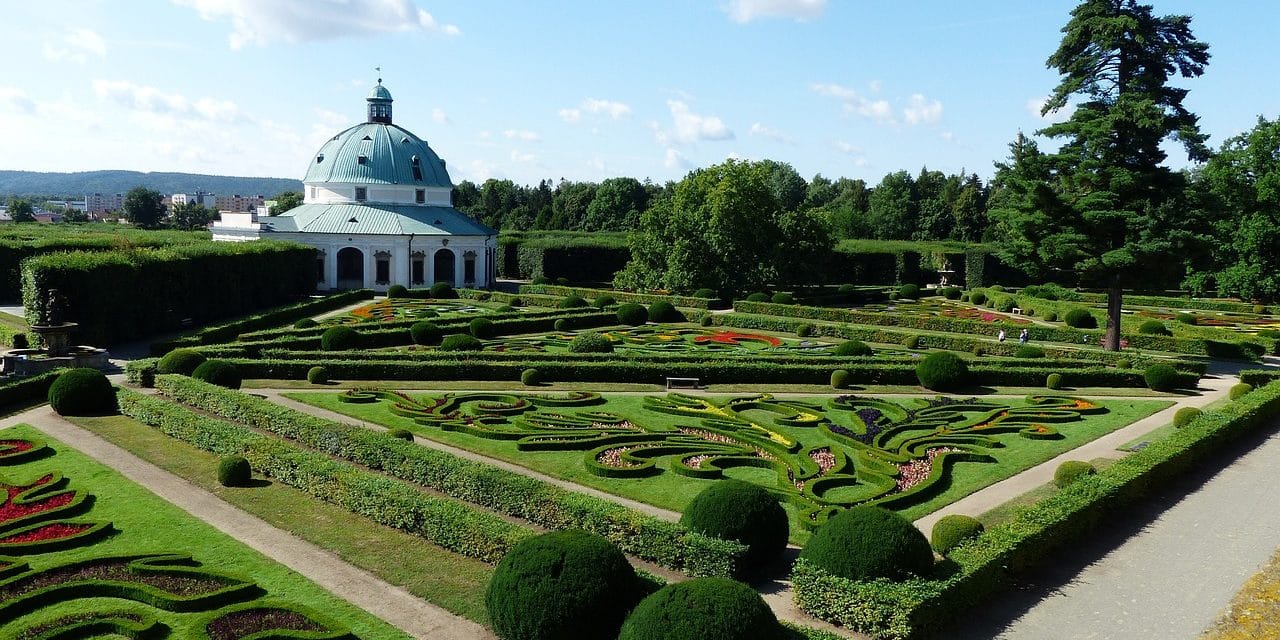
[[379, 92], [377, 153], [378, 219]]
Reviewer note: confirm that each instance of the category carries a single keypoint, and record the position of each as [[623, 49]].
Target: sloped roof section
[[377, 153], [377, 219]]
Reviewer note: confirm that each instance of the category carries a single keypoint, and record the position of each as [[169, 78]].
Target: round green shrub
[[743, 512], [590, 342], [758, 296], [1161, 377], [1051, 316], [703, 609], [632, 314], [424, 314], [397, 291], [460, 342], [1182, 417], [839, 378], [317, 375], [541, 280], [401, 434], [82, 392], [1080, 319], [506, 308], [978, 350], [1028, 351], [234, 471], [709, 294], [1070, 471], [783, 297], [531, 377], [964, 297], [893, 295], [911, 342], [1124, 363], [1053, 381], [909, 291], [846, 289], [219, 372], [425, 333], [1237, 391], [1005, 304], [603, 301], [951, 530], [996, 287], [1153, 328], [565, 584], [1186, 318], [951, 293], [864, 543], [516, 302], [707, 320], [663, 311], [804, 331], [1260, 309], [339, 339], [942, 371], [573, 301], [561, 324], [978, 297], [305, 323], [482, 328], [852, 348], [182, 361], [443, 291]]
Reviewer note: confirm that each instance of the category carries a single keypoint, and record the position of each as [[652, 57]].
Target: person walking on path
[[1001, 336], [1023, 337]]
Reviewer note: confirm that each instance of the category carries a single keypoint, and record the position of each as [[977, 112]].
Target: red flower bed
[[51, 531], [14, 447], [733, 338], [11, 510]]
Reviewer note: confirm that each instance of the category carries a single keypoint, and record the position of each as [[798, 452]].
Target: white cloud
[[1036, 105], [673, 159], [154, 101], [518, 156], [479, 171], [80, 44], [611, 108], [948, 136], [16, 100], [744, 11], [485, 135], [874, 85], [570, 115], [758, 129], [439, 116], [847, 148], [920, 110], [261, 22], [519, 134], [691, 127]]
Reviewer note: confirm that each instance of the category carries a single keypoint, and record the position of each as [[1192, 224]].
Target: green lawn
[[147, 524], [672, 491], [451, 581]]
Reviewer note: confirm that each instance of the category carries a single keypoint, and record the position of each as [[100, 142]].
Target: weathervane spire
[[379, 70]]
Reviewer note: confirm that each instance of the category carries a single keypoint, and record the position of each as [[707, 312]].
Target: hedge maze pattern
[[36, 517], [892, 457], [393, 309], [671, 339]]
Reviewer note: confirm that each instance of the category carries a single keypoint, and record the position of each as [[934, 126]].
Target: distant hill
[[78, 184]]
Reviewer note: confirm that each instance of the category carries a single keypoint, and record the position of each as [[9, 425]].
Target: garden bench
[[683, 383], [1017, 311]]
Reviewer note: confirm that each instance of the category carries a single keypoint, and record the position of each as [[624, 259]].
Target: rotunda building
[[377, 206]]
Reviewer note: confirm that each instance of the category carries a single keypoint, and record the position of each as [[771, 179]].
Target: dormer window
[[320, 158], [420, 196], [367, 139], [417, 168], [362, 194], [362, 159]]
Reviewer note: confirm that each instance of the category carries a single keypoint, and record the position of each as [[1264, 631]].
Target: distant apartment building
[[202, 198], [103, 203], [238, 203]]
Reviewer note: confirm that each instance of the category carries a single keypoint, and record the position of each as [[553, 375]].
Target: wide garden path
[[393, 604]]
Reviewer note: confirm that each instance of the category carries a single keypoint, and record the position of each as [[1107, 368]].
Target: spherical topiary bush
[[1161, 377], [703, 609], [305, 323], [339, 339], [443, 291], [1070, 471], [1183, 417], [909, 291], [942, 371], [852, 348], [782, 297], [482, 328], [911, 342], [317, 375], [182, 361], [632, 314], [82, 392], [1124, 363], [397, 291], [951, 530], [531, 377], [804, 331], [758, 296], [846, 289], [234, 471], [460, 342], [604, 301], [663, 311], [541, 280], [219, 372], [1005, 304], [978, 297], [561, 324], [425, 333], [566, 584], [401, 434], [707, 320], [864, 543], [951, 293], [1238, 391], [740, 511], [506, 308], [839, 378], [590, 342], [978, 351], [1153, 328], [573, 301], [1028, 351], [1186, 318], [1080, 319], [709, 294], [996, 287], [1053, 381], [1051, 316]]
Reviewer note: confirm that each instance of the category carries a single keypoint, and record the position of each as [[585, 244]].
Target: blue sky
[[583, 90]]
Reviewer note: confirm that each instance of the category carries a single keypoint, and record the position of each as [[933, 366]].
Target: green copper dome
[[377, 153], [379, 92]]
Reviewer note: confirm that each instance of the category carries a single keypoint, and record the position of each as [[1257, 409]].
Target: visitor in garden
[[1023, 337], [1001, 336]]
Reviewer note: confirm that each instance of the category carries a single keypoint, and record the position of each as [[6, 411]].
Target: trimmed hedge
[[632, 314], [460, 342], [482, 328], [82, 392], [839, 379], [1183, 417], [1071, 471], [590, 342], [318, 375], [299, 313], [340, 338], [1161, 377], [425, 333], [1238, 390], [1053, 381], [541, 503], [663, 311], [182, 361], [703, 609], [530, 377], [868, 543], [221, 373], [951, 530], [743, 512], [234, 471], [25, 390], [942, 371], [689, 302], [853, 348]]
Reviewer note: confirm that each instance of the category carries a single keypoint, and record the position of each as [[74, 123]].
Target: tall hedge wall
[[581, 257], [127, 294]]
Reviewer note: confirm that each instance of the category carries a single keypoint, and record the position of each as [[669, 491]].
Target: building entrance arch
[[350, 268], [444, 267]]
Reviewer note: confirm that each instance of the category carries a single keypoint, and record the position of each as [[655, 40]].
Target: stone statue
[[55, 308]]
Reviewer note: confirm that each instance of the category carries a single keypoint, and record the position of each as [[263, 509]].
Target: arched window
[[417, 167]]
